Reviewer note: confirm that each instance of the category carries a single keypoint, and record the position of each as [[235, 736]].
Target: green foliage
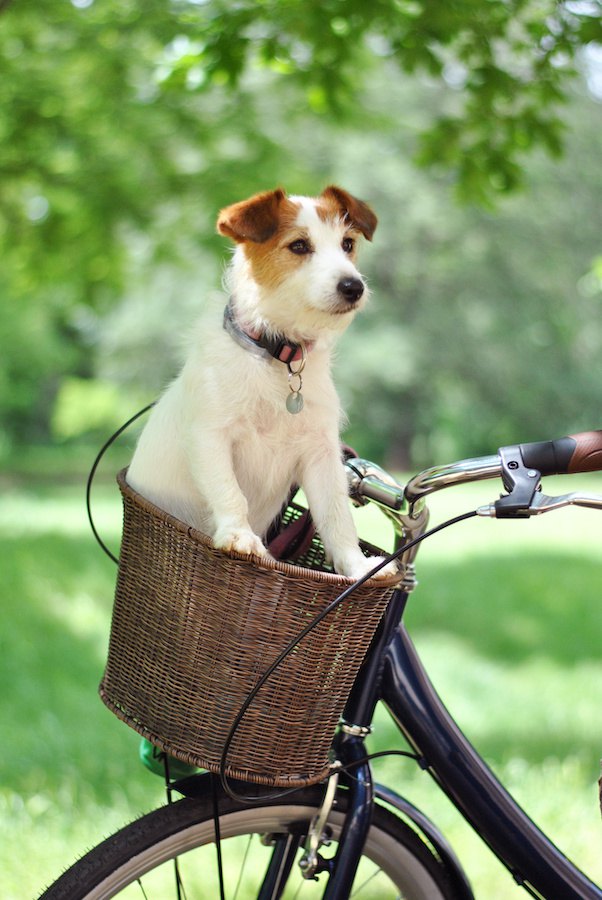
[[482, 328], [509, 62], [93, 153], [124, 129]]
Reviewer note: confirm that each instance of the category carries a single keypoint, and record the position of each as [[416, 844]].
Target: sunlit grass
[[506, 617]]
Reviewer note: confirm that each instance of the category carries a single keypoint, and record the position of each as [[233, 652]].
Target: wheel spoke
[[141, 886], [180, 891], [243, 864], [357, 890]]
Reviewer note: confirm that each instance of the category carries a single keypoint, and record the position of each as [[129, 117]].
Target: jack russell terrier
[[254, 409]]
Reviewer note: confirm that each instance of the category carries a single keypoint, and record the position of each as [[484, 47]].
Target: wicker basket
[[193, 630]]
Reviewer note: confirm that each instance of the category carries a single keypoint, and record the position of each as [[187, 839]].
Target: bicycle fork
[[350, 751], [341, 868]]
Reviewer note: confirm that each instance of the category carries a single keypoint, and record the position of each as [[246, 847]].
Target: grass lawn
[[506, 616]]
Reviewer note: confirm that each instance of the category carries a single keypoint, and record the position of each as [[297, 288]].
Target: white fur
[[220, 450]]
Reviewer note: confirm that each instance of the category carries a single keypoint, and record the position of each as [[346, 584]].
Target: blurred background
[[474, 131]]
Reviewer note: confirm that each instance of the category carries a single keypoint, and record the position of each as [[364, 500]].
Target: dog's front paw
[[358, 565], [387, 571], [241, 540]]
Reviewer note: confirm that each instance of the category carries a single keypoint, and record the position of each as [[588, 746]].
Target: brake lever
[[521, 482], [542, 503]]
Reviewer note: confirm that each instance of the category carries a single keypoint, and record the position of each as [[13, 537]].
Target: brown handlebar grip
[[587, 455]]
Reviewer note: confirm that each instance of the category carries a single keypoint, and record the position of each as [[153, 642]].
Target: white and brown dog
[[254, 409]]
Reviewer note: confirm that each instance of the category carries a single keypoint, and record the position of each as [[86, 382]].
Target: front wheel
[[138, 861]]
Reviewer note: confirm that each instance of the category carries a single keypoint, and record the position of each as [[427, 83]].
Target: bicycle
[[385, 847]]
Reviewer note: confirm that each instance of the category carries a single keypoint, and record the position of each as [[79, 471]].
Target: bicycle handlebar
[[576, 453], [438, 477]]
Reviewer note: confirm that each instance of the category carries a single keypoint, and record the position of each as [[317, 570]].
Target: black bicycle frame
[[393, 672]]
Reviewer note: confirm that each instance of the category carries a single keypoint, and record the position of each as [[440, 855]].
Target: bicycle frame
[[394, 674], [532, 859]]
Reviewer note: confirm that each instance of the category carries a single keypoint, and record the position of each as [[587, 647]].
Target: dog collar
[[263, 345], [285, 351]]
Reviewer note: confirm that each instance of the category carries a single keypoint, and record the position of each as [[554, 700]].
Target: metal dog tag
[[294, 403]]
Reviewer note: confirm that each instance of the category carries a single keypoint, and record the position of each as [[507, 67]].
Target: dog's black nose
[[351, 289]]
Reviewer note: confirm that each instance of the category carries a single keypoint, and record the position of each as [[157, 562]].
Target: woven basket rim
[[289, 570]]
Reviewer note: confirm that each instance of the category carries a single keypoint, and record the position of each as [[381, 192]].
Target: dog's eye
[[348, 244], [300, 247]]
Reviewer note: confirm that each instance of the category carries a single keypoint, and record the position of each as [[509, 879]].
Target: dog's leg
[[213, 473], [325, 486]]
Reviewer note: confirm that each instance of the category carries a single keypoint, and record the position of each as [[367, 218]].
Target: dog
[[254, 409]]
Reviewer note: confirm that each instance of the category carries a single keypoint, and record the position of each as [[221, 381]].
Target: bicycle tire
[[392, 849]]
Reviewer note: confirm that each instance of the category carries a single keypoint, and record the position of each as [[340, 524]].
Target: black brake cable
[[218, 836], [297, 640], [95, 465]]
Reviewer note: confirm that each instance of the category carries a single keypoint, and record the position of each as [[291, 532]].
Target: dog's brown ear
[[355, 211], [255, 219]]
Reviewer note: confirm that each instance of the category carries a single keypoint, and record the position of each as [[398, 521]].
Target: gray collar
[[263, 345]]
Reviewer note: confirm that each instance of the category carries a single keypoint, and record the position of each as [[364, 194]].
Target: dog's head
[[300, 254]]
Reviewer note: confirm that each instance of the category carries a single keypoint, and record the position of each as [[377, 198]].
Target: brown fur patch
[[255, 219], [269, 265], [334, 201]]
